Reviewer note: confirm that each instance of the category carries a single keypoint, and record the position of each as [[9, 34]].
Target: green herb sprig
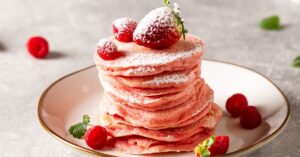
[[78, 130]]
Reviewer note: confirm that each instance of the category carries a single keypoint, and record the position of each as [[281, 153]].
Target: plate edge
[[238, 152]]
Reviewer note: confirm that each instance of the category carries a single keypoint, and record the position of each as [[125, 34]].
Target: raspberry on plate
[[235, 104], [107, 50], [123, 29], [96, 137], [38, 47], [250, 117]]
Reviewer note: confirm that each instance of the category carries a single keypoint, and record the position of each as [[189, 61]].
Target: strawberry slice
[[215, 145], [160, 28]]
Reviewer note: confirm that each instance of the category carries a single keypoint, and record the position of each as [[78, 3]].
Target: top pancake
[[142, 61]]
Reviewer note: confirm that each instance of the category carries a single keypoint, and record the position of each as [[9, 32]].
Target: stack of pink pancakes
[[155, 100]]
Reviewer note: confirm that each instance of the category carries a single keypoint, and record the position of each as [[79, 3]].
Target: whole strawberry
[[160, 28]]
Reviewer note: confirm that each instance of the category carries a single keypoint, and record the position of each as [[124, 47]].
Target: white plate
[[65, 101]]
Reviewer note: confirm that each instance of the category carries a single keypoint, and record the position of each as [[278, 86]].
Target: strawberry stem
[[179, 20]]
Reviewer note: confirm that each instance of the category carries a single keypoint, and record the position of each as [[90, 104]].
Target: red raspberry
[[235, 104], [250, 117], [96, 137], [107, 50], [123, 29], [37, 47], [220, 145], [158, 29]]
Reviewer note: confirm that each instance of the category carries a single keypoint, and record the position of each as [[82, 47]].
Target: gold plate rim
[[92, 152]]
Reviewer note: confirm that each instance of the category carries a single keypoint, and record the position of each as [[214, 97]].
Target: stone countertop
[[73, 27]]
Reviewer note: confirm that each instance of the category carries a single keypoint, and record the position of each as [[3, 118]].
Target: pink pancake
[[155, 106], [132, 99], [209, 121], [148, 91], [161, 119], [118, 119], [142, 145], [141, 61], [175, 79]]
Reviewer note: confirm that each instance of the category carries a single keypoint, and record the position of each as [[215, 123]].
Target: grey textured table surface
[[72, 27]]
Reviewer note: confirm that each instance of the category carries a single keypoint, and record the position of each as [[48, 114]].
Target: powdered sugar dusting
[[106, 46], [157, 18], [173, 78], [124, 24], [176, 8], [141, 61], [141, 70], [148, 57]]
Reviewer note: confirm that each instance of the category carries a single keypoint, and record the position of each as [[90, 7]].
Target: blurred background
[[230, 29]]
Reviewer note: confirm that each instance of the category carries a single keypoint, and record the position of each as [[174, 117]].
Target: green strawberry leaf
[[296, 62], [78, 130], [180, 21], [270, 23], [203, 147]]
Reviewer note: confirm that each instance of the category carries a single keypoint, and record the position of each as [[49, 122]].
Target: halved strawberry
[[215, 145], [160, 28]]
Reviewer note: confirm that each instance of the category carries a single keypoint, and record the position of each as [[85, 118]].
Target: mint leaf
[[78, 130], [86, 119], [296, 62], [270, 23]]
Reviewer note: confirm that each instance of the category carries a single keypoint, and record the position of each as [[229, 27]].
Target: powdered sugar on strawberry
[[158, 29], [161, 17], [108, 50], [107, 46], [124, 22], [123, 28], [177, 8]]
